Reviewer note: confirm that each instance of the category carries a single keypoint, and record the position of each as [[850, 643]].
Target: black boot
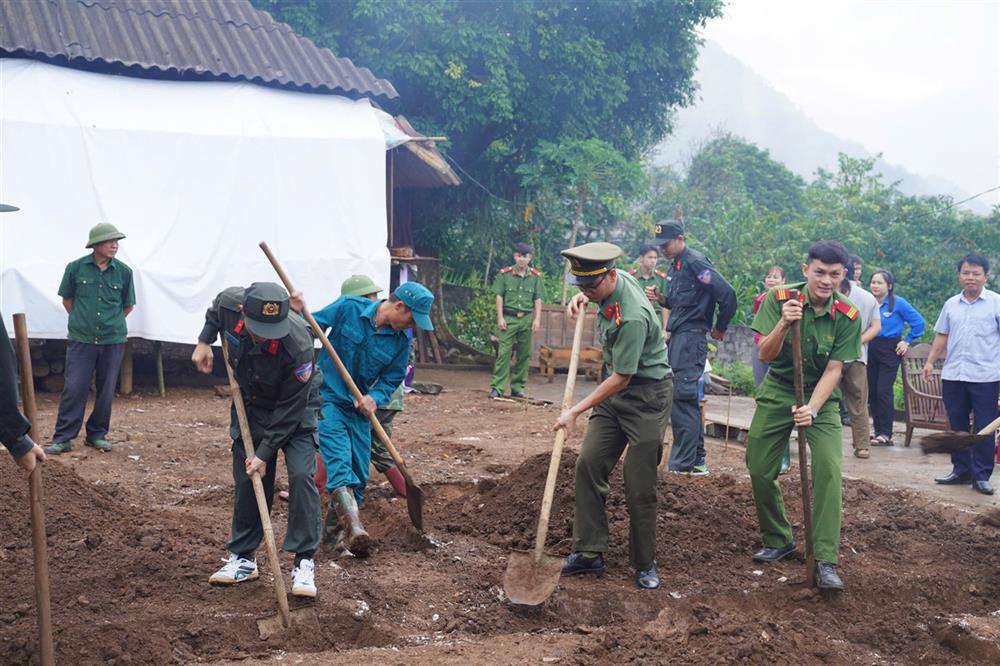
[[827, 578], [768, 554], [355, 537], [647, 579], [578, 563]]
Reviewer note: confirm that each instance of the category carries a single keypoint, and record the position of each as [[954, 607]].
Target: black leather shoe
[[647, 578], [983, 487], [494, 393], [827, 578], [768, 554], [517, 394], [577, 563], [952, 479]]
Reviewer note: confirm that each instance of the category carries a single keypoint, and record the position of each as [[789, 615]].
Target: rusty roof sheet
[[179, 39]]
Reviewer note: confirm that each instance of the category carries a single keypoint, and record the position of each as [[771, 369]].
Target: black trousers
[[687, 351], [883, 366], [83, 360]]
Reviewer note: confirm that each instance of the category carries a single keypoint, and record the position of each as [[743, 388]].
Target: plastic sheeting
[[196, 174]]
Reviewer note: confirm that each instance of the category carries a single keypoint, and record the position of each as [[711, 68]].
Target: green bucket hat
[[103, 232], [359, 285]]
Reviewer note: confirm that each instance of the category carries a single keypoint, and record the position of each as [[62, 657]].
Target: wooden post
[[125, 375], [158, 347], [38, 537]]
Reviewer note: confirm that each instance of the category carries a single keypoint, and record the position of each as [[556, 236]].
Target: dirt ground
[[134, 535]]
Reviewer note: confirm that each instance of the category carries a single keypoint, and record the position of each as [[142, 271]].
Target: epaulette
[[846, 308], [782, 294], [660, 274], [507, 270], [633, 272], [535, 272]]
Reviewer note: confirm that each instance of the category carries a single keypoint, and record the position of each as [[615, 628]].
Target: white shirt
[[973, 331]]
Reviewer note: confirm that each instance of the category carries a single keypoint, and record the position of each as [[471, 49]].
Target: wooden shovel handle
[[990, 429], [550, 480], [800, 400], [258, 491]]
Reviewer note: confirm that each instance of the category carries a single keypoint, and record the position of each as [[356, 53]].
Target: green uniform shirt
[[517, 292], [99, 298], [832, 335], [631, 332], [656, 279]]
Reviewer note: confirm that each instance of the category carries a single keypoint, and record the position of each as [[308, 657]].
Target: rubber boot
[[396, 480], [355, 537], [333, 533]]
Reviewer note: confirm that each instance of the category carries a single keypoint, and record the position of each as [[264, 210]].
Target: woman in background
[[774, 277]]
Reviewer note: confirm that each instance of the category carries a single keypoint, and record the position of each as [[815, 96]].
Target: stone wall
[[737, 347]]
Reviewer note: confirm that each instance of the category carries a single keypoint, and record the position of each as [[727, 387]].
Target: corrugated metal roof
[[179, 39]]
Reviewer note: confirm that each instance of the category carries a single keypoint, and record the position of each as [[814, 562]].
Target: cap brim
[[423, 321], [658, 241], [105, 240], [581, 280], [7, 208], [269, 331]]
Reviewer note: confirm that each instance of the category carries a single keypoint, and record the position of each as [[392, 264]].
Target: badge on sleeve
[[705, 276], [304, 372]]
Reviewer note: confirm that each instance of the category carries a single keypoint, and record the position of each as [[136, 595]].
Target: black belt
[[785, 382], [516, 313], [643, 381]]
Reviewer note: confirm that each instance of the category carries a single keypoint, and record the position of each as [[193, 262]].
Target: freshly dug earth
[[132, 541]]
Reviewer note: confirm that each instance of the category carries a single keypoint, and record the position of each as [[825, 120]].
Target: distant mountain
[[734, 98]]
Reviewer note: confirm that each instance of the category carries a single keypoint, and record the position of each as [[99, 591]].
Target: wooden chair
[[923, 402]]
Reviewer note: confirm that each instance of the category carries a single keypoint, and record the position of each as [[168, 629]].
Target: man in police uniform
[[519, 290], [651, 280], [694, 291], [629, 413], [272, 358], [831, 336]]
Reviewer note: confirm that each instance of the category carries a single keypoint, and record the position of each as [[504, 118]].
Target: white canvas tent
[[196, 173]]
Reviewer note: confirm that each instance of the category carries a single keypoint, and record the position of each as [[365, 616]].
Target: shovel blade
[[273, 624], [415, 503], [528, 581]]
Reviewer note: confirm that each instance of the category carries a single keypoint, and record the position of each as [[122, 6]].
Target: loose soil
[[134, 535]]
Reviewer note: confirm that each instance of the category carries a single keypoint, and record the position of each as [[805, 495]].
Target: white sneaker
[[303, 579], [235, 570]]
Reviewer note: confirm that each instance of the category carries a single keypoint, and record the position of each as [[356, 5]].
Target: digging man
[[630, 413], [272, 358]]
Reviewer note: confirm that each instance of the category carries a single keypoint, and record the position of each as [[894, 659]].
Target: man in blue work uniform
[[694, 291], [370, 338]]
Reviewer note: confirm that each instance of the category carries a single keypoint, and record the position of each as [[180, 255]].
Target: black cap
[[265, 309], [666, 232], [589, 262], [522, 248]]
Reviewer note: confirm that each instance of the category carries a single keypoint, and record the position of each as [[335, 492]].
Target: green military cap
[[103, 232], [590, 261], [666, 232], [359, 285]]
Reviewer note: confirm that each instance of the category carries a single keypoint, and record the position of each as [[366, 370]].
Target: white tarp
[[196, 174]]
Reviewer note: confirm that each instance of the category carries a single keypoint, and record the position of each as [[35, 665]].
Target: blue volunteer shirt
[[902, 313], [374, 357], [973, 331]]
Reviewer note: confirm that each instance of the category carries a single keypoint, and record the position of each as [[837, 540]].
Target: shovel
[[414, 494], [800, 399], [532, 576], [267, 626], [950, 441], [38, 538]]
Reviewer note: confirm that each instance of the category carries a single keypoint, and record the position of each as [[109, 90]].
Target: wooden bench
[[924, 403], [552, 358]]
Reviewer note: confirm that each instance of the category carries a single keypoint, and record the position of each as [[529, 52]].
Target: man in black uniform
[[13, 426], [694, 291], [272, 358]]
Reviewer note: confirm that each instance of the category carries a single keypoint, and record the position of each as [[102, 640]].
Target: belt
[[515, 313], [643, 381], [785, 382]]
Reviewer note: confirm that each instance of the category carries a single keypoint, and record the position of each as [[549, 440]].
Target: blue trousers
[[83, 361], [345, 442], [979, 399]]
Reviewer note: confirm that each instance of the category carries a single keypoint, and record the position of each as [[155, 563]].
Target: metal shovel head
[[300, 617], [414, 503], [529, 581]]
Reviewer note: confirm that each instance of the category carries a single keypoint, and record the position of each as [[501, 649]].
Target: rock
[[973, 637], [82, 600]]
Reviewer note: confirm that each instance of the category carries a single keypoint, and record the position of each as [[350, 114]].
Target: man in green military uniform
[[629, 415], [651, 280], [518, 289], [831, 335]]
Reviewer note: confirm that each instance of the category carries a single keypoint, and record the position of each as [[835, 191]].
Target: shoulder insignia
[[660, 274], [633, 272], [613, 312], [677, 264], [304, 372], [507, 270], [846, 308], [705, 276], [272, 347], [535, 272]]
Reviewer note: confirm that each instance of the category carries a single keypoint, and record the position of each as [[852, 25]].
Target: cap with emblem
[[419, 299], [7, 208], [666, 232], [359, 285], [103, 232], [522, 248], [265, 310], [590, 261]]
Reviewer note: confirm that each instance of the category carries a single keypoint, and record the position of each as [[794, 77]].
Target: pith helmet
[[104, 231], [359, 285]]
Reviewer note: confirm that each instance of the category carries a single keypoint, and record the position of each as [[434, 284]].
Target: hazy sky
[[917, 81]]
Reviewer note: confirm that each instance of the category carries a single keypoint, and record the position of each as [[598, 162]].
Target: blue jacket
[[902, 313], [376, 358]]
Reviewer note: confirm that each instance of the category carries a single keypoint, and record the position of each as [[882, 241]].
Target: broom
[[950, 441]]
